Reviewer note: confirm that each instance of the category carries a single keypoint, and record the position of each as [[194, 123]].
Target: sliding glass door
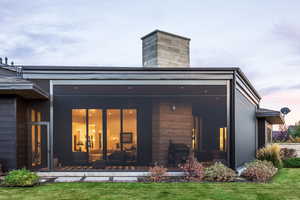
[[109, 134], [121, 136], [87, 134]]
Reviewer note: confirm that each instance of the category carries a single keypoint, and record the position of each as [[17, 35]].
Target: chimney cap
[[164, 32]]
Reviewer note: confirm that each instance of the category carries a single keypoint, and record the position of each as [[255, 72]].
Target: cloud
[[21, 51], [270, 90], [275, 89], [297, 86], [288, 33], [49, 38]]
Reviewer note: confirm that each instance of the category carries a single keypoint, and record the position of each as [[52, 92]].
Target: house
[[60, 116]]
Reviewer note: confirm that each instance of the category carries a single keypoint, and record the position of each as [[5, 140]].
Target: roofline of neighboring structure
[[118, 68], [167, 33], [268, 114], [24, 86], [8, 67]]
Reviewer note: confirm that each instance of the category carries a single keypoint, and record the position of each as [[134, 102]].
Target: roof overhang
[[25, 90], [271, 116], [141, 73]]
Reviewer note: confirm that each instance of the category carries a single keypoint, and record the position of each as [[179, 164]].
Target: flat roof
[[272, 116], [21, 87], [145, 69]]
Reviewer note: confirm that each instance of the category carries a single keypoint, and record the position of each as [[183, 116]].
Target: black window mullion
[[121, 120], [104, 134], [87, 131]]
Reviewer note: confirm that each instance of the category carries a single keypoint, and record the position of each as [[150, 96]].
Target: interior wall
[[245, 129]]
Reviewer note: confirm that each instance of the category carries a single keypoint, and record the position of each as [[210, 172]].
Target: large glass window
[[129, 133], [87, 138], [36, 139], [79, 130], [222, 139], [121, 135], [95, 134], [210, 139]]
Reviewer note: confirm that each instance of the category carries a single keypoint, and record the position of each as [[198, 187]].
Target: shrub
[[270, 153], [157, 173], [21, 177], [286, 153], [259, 171], [291, 163], [193, 169], [219, 172]]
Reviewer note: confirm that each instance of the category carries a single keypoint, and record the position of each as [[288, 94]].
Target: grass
[[286, 185]]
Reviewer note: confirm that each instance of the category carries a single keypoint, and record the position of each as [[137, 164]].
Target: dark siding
[[261, 133], [8, 132], [22, 134], [43, 84], [245, 129]]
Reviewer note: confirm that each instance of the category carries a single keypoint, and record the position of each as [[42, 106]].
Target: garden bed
[[285, 185]]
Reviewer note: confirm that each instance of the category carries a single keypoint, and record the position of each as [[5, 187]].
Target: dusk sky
[[260, 37]]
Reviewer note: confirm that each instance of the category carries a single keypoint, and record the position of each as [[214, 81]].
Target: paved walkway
[[89, 179]]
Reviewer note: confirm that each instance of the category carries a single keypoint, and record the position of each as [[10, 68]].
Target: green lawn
[[286, 185]]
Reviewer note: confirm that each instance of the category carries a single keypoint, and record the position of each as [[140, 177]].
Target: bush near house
[[157, 173], [270, 153], [286, 153], [220, 173], [291, 163], [193, 169], [258, 170], [21, 178]]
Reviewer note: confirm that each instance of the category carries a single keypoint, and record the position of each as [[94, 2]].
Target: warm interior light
[[222, 139]]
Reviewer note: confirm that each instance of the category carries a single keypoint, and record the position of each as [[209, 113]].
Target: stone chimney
[[162, 49]]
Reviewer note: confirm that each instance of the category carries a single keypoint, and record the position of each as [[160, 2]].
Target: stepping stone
[[125, 179], [43, 180], [96, 179], [68, 179]]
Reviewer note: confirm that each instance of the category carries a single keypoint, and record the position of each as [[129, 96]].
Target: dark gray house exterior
[[52, 117]]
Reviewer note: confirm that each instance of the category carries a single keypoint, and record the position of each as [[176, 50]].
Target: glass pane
[[39, 140], [195, 134], [95, 134], [33, 145], [222, 139], [211, 110], [113, 131], [33, 139], [33, 115], [129, 134], [79, 130]]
